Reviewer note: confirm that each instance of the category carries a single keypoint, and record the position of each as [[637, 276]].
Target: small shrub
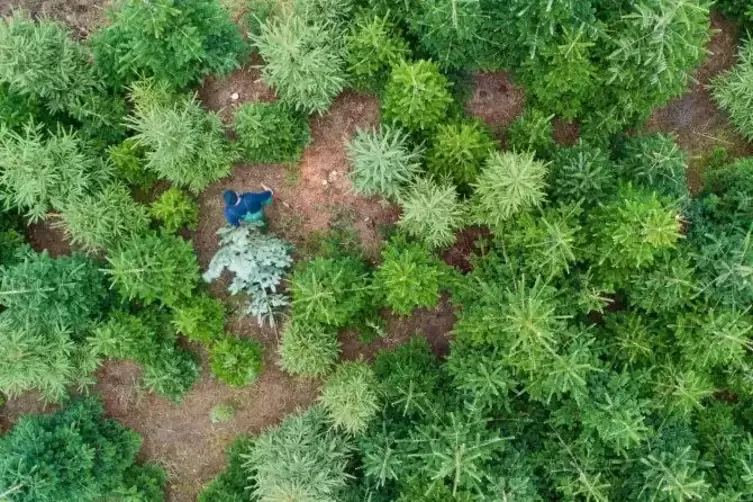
[[103, 219], [237, 362], [309, 350], [532, 131], [349, 397], [655, 162], [301, 459], [432, 213], [175, 41], [154, 268], [184, 143], [258, 262], [328, 291], [128, 159], [373, 46], [221, 413], [409, 277], [302, 62], [175, 210], [458, 151], [41, 171], [417, 96], [382, 161], [581, 174], [732, 91], [510, 183], [270, 133], [172, 373], [200, 318], [72, 454]]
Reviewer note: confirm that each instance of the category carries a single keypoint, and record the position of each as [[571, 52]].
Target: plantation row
[[602, 349]]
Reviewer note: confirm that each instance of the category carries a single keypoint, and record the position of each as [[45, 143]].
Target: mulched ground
[[312, 196]]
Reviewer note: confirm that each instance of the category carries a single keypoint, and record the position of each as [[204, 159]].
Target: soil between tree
[[311, 197]]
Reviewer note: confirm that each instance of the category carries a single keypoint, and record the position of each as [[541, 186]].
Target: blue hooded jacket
[[248, 203]]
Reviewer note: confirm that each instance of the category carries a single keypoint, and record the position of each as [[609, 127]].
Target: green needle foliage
[[175, 41], [148, 339], [200, 318], [581, 173], [458, 151], [304, 62], [374, 45], [75, 454], [509, 184], [128, 159], [175, 210], [635, 229], [39, 172], [409, 277], [258, 262], [330, 291], [417, 97], [184, 143], [271, 133], [452, 33], [154, 269], [236, 362], [432, 213], [49, 307], [88, 226], [309, 350], [302, 460], [532, 131], [382, 161], [732, 91], [39, 60], [656, 163], [349, 397]]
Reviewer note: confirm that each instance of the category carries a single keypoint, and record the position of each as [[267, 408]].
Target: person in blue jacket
[[247, 207]]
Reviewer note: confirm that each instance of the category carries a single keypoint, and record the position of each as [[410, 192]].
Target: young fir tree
[[176, 42], [154, 268], [258, 262], [40, 171], [184, 143], [75, 454]]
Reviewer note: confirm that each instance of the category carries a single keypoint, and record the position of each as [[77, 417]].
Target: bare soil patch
[[81, 16], [43, 236], [495, 99]]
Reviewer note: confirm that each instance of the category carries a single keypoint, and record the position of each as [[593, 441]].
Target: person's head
[[230, 197]]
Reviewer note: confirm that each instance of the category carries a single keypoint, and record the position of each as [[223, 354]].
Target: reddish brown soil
[[81, 16], [312, 195], [694, 118], [495, 99], [43, 236], [225, 94]]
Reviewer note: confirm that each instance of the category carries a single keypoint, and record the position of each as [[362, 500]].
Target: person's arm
[[232, 218]]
